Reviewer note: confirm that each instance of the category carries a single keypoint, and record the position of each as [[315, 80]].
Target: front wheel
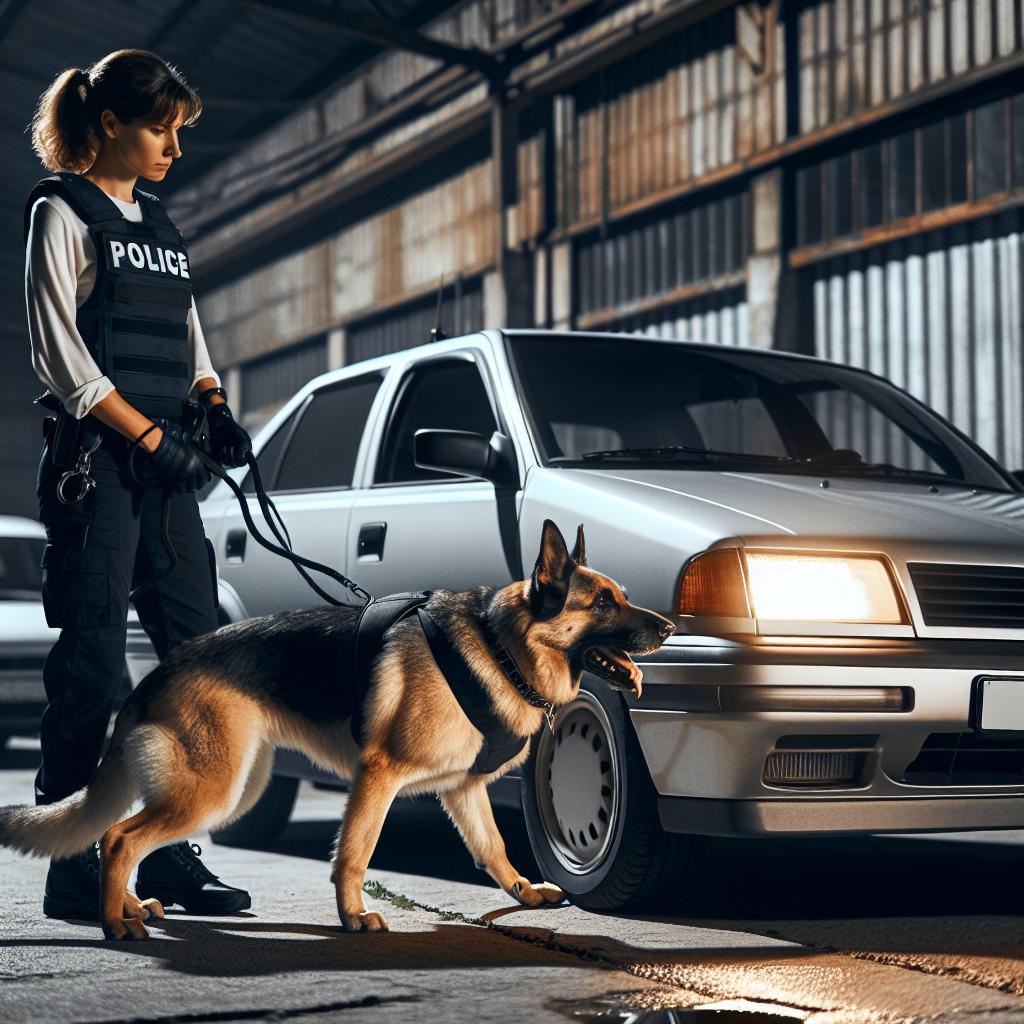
[[591, 810]]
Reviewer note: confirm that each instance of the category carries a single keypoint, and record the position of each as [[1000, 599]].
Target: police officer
[[116, 339]]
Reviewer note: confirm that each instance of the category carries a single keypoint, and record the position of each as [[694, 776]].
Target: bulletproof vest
[[135, 321]]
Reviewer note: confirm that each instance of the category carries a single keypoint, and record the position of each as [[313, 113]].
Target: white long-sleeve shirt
[[60, 270]]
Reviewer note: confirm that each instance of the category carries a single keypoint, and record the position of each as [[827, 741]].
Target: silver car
[[26, 639], [845, 568]]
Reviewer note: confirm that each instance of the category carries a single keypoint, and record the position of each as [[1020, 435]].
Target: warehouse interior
[[841, 178]]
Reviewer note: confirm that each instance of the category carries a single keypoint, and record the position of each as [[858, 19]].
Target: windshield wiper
[[842, 460], [676, 450]]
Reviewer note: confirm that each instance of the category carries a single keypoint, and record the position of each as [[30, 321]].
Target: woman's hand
[[176, 464], [229, 442]]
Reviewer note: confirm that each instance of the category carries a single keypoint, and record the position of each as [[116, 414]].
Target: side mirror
[[460, 451]]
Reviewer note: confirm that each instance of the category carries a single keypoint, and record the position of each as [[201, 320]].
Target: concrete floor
[[879, 929]]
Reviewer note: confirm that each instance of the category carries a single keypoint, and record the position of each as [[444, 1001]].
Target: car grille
[[966, 759], [970, 595]]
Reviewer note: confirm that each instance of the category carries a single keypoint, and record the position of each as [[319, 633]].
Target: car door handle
[[234, 546], [371, 541]]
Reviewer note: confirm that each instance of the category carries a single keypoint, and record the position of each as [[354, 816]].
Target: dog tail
[[73, 824]]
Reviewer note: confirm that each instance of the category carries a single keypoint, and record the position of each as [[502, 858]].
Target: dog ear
[[579, 551], [549, 583]]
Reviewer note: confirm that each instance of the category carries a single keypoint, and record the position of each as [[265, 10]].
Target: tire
[[267, 818], [591, 810]]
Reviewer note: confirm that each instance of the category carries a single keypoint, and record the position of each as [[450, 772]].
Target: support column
[[764, 264], [232, 378], [561, 286], [508, 299], [336, 348], [778, 308]]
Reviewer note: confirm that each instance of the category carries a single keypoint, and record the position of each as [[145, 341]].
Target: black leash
[[270, 513]]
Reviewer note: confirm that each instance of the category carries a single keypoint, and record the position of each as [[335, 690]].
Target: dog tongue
[[626, 663]]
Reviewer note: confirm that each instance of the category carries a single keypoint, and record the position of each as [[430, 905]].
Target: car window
[[738, 425], [603, 402], [269, 456], [322, 450], [21, 574], [850, 422], [439, 396]]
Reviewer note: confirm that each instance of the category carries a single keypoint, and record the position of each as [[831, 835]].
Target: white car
[[26, 639], [845, 567]]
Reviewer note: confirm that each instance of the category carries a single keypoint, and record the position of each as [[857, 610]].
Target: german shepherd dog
[[196, 739]]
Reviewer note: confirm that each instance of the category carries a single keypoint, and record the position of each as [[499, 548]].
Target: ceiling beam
[[387, 34], [171, 20], [9, 11], [247, 104]]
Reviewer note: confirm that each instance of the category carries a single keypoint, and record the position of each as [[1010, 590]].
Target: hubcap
[[577, 784]]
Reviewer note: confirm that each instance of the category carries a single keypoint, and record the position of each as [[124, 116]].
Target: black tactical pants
[[98, 550]]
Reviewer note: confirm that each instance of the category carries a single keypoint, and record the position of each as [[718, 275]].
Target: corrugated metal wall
[[267, 383], [271, 307], [686, 106], [892, 282], [940, 315], [719, 318], [462, 312], [640, 268], [448, 229], [856, 54]]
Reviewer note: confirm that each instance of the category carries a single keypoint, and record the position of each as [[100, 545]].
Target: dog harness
[[377, 617], [135, 320]]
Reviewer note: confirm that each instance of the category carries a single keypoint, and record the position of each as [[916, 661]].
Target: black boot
[[73, 887], [175, 874]]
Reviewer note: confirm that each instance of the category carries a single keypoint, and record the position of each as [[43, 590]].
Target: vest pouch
[[76, 581]]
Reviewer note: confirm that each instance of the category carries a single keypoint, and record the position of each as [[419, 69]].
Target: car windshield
[[21, 576], [604, 402]]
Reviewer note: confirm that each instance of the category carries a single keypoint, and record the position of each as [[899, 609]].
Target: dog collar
[[511, 670]]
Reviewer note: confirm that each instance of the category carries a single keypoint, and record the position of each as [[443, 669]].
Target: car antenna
[[437, 332]]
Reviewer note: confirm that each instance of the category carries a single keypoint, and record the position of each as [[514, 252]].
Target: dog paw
[[535, 895], [366, 922], [151, 909], [144, 910], [125, 929]]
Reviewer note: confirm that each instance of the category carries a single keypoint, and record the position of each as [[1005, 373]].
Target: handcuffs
[[190, 430], [80, 469]]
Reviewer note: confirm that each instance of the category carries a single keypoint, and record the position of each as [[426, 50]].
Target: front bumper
[[900, 711]]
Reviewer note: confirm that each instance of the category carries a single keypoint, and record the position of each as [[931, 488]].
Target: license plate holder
[[999, 706]]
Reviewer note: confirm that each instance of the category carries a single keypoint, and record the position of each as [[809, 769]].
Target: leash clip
[[549, 717], [80, 469]]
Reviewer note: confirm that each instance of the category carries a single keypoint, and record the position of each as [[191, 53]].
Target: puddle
[[632, 1011]]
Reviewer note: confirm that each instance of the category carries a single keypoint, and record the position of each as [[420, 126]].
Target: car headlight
[[822, 588], [791, 587]]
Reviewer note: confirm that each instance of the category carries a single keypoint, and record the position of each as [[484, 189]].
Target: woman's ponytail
[[61, 126], [133, 84]]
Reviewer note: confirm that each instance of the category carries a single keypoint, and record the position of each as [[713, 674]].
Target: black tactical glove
[[229, 443], [175, 464]]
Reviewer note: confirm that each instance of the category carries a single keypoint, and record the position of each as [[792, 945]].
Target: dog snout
[[667, 629]]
